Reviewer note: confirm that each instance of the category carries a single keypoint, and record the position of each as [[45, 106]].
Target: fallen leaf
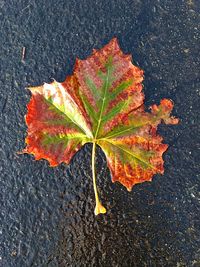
[[100, 103]]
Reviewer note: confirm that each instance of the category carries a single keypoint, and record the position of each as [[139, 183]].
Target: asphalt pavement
[[46, 213]]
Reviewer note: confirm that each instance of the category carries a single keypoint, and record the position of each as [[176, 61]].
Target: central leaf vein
[[103, 101]]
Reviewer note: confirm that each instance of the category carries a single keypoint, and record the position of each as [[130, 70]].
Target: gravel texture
[[46, 213]]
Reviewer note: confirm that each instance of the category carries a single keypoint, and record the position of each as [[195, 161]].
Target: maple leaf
[[100, 103]]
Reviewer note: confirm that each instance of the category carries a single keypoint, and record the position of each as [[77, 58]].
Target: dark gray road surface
[[46, 213]]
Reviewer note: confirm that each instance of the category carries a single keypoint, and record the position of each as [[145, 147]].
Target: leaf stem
[[99, 208]]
